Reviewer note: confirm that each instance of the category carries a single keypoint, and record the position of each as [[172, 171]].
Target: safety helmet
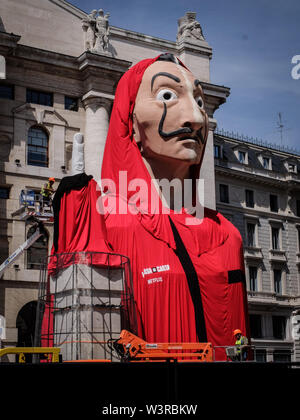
[[52, 179], [235, 332]]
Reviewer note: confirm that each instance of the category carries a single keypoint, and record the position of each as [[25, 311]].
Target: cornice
[[194, 46], [258, 146], [53, 58], [103, 61], [69, 8], [214, 95], [257, 178], [247, 213], [8, 42], [32, 54], [219, 90], [140, 38], [88, 67]]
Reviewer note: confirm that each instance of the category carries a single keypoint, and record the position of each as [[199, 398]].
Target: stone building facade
[[258, 190], [62, 68]]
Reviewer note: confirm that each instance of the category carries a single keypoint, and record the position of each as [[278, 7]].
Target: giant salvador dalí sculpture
[[187, 267]]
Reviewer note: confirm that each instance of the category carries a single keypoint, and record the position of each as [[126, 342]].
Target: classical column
[[97, 110], [207, 171], [214, 96], [100, 74]]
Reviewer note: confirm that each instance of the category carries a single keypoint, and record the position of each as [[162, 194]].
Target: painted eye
[[166, 95], [199, 101]]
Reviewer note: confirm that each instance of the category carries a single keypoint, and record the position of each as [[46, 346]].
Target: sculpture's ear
[[136, 130]]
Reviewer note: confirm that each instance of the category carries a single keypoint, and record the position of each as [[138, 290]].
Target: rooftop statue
[[189, 27], [96, 29], [102, 31]]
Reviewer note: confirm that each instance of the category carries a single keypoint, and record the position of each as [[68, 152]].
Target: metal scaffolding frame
[[84, 304]]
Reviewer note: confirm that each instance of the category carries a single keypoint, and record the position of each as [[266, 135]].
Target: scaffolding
[[85, 300]]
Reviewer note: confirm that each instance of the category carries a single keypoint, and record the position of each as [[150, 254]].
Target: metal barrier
[[52, 352], [246, 353], [255, 353]]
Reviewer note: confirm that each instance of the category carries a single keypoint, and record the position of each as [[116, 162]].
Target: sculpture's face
[[169, 120]]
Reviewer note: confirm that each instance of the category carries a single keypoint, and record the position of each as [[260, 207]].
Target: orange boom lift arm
[[132, 348]]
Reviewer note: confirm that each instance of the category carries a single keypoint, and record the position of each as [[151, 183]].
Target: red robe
[[188, 280]]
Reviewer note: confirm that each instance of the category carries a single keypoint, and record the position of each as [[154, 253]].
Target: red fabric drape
[[160, 286], [163, 299]]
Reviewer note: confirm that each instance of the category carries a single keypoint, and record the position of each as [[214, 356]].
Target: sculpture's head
[[169, 119], [158, 121]]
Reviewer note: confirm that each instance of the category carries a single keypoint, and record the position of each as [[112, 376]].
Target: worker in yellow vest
[[241, 343], [47, 191]]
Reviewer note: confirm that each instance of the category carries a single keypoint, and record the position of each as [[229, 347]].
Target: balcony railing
[[256, 353]]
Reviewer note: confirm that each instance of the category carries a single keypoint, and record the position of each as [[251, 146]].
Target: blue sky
[[253, 44]]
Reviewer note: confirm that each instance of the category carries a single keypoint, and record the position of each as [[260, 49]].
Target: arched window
[[38, 251], [37, 147]]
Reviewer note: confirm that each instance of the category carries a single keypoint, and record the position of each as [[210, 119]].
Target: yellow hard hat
[[235, 332]]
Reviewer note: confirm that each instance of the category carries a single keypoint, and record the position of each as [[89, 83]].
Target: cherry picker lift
[[133, 349], [19, 251], [32, 212], [52, 352]]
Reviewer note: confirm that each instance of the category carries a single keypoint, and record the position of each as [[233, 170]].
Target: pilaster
[[97, 101], [214, 96]]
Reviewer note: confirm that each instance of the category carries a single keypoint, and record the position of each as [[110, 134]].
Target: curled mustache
[[185, 130]]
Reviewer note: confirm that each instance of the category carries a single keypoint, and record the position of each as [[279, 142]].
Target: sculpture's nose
[[192, 115]]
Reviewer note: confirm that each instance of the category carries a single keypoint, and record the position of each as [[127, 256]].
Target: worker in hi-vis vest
[[241, 343], [47, 191]]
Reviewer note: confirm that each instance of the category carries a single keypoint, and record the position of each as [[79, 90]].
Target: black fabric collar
[[67, 184]]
